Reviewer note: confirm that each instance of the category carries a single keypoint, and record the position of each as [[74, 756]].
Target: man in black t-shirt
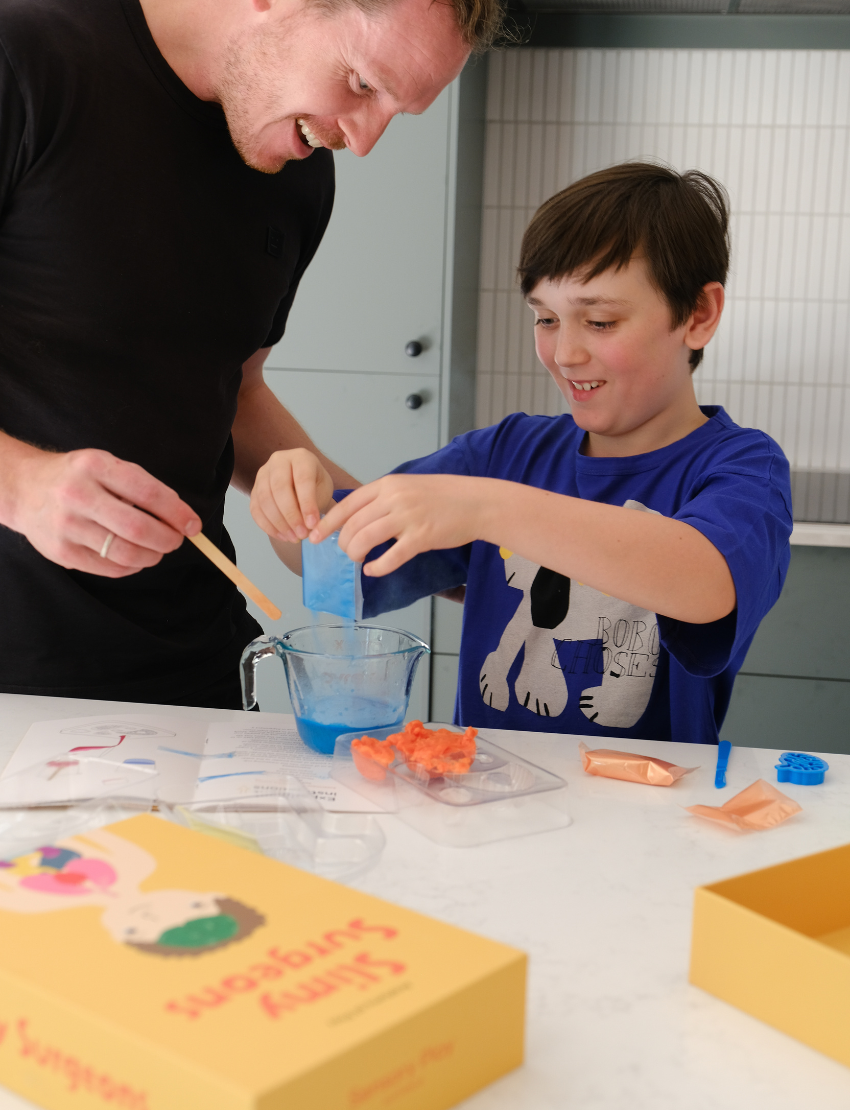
[[151, 242]]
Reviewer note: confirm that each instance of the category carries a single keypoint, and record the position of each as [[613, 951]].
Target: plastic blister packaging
[[502, 795], [288, 824], [67, 795], [68, 779], [330, 580]]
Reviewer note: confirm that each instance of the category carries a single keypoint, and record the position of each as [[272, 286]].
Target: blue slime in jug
[[345, 714]]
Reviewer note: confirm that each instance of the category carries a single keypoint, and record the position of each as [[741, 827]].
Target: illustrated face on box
[[98, 868]]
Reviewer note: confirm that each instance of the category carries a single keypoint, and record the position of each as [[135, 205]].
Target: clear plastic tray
[[288, 824], [67, 780], [502, 795], [65, 796]]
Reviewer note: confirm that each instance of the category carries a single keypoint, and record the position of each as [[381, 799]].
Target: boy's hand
[[291, 491], [421, 512]]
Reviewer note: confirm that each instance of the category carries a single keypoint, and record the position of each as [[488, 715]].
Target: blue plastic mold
[[804, 770]]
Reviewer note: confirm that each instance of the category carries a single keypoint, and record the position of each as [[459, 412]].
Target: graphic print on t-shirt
[[565, 627]]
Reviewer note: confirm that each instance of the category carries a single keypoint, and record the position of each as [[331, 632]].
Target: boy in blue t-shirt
[[617, 561]]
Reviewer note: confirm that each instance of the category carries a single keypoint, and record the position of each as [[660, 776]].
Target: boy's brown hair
[[678, 222]]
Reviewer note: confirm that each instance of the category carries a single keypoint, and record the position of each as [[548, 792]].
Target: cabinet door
[[376, 282], [362, 422]]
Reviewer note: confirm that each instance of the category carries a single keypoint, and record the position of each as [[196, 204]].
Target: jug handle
[[253, 653]]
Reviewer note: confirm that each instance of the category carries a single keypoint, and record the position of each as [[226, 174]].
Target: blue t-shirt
[[542, 652]]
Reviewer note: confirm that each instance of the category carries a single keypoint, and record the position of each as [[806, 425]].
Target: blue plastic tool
[[723, 749], [802, 769]]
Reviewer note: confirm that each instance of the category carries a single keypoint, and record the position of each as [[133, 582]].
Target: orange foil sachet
[[436, 752], [629, 767], [760, 806]]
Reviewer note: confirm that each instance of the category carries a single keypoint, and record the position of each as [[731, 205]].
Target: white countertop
[[812, 534], [604, 910]]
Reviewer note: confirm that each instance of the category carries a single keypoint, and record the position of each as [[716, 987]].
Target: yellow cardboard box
[[776, 943], [147, 967]]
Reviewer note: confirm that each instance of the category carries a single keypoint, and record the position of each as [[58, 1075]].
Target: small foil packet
[[647, 769], [330, 580], [760, 806]]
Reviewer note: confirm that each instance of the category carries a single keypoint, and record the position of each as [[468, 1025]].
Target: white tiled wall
[[773, 127]]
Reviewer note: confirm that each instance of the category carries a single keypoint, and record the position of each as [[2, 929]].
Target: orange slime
[[436, 752]]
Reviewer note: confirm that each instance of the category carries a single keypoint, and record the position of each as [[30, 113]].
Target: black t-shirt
[[141, 263]]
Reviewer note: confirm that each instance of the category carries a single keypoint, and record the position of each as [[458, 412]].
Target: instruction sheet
[[193, 760]]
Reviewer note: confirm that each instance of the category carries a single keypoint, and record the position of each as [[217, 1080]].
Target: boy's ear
[[703, 321]]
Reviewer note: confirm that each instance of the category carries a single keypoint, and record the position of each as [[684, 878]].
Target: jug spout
[[253, 653]]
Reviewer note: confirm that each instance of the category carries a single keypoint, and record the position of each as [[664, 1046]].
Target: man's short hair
[[679, 222], [480, 22]]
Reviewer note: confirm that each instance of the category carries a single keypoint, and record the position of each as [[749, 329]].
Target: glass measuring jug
[[340, 677]]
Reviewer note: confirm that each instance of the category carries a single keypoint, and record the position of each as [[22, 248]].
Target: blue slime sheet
[[331, 581]]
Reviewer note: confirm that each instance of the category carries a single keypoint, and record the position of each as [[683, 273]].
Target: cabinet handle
[[413, 350], [413, 401]]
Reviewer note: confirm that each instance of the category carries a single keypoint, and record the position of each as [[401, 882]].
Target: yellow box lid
[[189, 943]]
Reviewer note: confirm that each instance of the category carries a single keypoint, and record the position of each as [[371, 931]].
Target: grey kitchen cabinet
[[399, 263], [446, 623], [793, 690], [376, 282]]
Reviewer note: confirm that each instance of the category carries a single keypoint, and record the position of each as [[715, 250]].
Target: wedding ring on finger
[[107, 543]]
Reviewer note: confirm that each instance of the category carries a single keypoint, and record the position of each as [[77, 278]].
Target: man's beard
[[247, 92], [244, 86]]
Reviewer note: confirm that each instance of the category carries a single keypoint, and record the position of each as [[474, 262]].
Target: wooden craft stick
[[235, 575]]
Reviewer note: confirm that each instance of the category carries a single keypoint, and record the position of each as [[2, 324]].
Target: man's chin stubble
[[255, 158]]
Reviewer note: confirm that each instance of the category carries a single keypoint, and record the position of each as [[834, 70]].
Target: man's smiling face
[[610, 345], [300, 77]]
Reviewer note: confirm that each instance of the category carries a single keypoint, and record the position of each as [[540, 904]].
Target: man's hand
[[291, 491], [422, 512], [68, 504]]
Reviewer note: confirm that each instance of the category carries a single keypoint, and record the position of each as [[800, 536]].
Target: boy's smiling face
[[610, 345]]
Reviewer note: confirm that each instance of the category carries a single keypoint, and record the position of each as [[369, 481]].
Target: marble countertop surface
[[603, 909]]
